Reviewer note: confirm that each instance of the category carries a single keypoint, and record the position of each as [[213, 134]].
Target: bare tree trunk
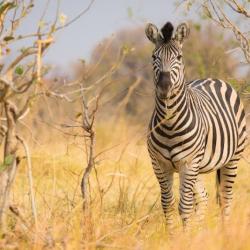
[[87, 215], [85, 178], [9, 165]]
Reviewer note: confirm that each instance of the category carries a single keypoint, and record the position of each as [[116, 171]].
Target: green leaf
[[82, 61], [41, 24], [19, 70], [8, 160], [189, 6], [31, 6], [197, 27], [2, 167], [126, 48], [78, 115], [8, 38], [23, 50], [130, 12], [62, 18], [53, 28]]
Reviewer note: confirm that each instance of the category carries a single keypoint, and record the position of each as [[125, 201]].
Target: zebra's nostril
[[163, 84], [164, 80]]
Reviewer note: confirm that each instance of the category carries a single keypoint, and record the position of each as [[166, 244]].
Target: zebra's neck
[[169, 110]]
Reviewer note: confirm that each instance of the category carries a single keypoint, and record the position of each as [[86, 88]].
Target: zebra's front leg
[[167, 199], [165, 179], [188, 178], [200, 199]]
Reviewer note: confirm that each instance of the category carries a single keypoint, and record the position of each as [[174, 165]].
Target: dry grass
[[125, 210]]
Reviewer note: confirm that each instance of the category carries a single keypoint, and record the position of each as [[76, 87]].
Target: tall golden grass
[[125, 211]]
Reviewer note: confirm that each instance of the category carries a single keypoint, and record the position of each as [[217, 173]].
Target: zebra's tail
[[218, 180]]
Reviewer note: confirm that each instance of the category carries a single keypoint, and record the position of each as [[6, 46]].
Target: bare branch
[[42, 45], [27, 52], [77, 17], [32, 195], [131, 89], [39, 34], [215, 12], [235, 6]]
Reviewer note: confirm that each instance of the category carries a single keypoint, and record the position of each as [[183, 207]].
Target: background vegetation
[[91, 122]]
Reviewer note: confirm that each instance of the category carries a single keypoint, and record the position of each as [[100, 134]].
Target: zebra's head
[[168, 66]]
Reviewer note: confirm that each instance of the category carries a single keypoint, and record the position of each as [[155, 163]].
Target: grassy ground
[[125, 210]]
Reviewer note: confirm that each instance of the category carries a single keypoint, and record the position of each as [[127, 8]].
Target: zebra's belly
[[219, 150], [211, 160], [176, 152]]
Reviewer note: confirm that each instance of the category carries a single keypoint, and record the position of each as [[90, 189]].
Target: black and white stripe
[[196, 128]]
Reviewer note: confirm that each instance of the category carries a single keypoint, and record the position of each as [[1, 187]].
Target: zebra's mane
[[167, 31]]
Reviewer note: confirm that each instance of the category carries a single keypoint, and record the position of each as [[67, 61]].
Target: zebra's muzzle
[[163, 84]]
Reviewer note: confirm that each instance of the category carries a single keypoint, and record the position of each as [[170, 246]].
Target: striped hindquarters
[[225, 121]]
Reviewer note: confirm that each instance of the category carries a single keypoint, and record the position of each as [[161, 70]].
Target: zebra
[[196, 127]]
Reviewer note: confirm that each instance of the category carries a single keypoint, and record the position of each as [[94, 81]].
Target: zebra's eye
[[179, 57]]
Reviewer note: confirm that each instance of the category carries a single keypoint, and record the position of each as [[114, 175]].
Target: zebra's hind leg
[[225, 180], [200, 199]]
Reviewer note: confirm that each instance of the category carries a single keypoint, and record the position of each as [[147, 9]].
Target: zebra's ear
[[182, 32], [151, 32]]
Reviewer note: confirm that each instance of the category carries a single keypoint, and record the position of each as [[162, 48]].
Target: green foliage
[[130, 12], [19, 70], [23, 49], [197, 26], [8, 160], [189, 5], [240, 85], [8, 38], [31, 5]]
